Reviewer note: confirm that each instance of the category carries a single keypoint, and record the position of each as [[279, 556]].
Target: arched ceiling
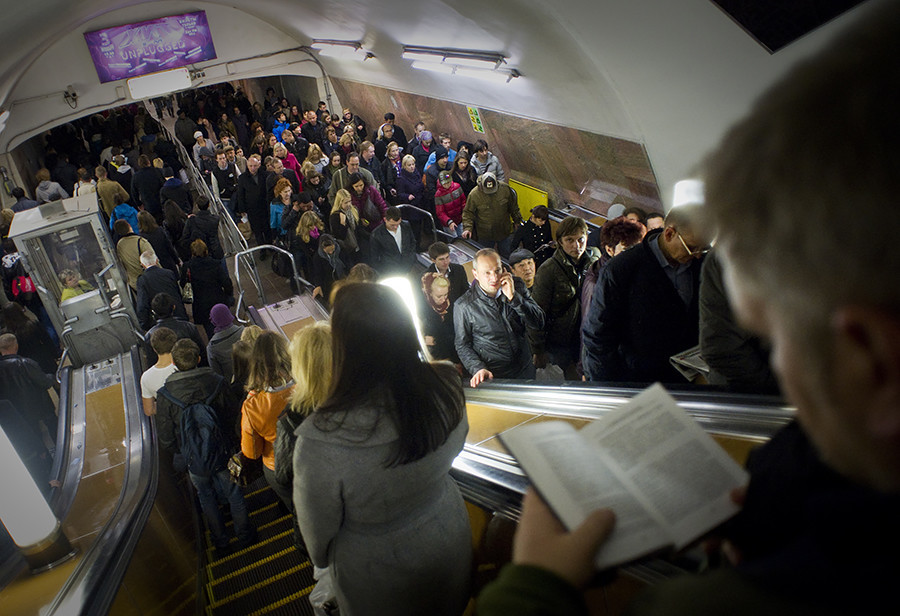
[[671, 74]]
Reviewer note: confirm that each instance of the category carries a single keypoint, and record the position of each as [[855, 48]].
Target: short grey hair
[[148, 258]]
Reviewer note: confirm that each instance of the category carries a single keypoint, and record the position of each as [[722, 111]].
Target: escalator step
[[265, 532], [286, 559], [261, 586], [259, 497], [295, 604], [272, 545], [260, 517]]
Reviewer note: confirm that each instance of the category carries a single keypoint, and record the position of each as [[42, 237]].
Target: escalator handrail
[[229, 231], [94, 584], [494, 479]]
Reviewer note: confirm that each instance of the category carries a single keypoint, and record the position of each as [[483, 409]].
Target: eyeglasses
[[694, 253]]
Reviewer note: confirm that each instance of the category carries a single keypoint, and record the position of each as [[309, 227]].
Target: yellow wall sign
[[476, 119], [529, 197]]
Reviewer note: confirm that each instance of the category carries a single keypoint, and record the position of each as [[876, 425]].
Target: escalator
[[270, 577], [135, 522]]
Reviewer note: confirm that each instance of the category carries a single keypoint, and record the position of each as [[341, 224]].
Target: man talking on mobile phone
[[490, 322]]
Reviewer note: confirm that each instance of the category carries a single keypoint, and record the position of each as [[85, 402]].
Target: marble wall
[[573, 166]]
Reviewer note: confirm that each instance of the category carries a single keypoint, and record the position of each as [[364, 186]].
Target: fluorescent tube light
[[342, 49], [496, 76], [457, 57], [435, 67]]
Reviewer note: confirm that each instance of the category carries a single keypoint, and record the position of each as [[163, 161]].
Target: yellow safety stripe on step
[[246, 591], [252, 513], [210, 548], [285, 601], [256, 564], [255, 492], [224, 559]]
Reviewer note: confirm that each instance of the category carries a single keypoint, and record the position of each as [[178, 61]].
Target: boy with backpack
[[197, 421]]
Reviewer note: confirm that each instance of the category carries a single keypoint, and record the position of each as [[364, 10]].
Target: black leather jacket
[[491, 333]]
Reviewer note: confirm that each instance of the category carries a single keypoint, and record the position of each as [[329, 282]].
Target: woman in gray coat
[[372, 489]]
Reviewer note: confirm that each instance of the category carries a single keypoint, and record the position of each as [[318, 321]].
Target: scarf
[[427, 282]]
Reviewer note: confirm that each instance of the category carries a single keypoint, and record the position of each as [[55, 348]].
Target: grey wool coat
[[397, 539]]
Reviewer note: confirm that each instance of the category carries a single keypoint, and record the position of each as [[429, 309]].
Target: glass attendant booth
[[68, 252]]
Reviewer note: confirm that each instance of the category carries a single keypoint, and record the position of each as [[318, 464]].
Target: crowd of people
[[371, 430]]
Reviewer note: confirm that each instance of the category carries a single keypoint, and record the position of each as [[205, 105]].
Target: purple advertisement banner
[[150, 46]]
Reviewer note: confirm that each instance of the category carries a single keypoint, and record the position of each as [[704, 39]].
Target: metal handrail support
[[434, 230], [247, 254], [227, 226]]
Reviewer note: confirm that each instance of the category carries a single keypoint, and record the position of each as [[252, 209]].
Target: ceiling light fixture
[[341, 49], [458, 57], [434, 67], [499, 76], [485, 65]]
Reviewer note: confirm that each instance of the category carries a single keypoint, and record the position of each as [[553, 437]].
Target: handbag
[[281, 263], [370, 213], [242, 470], [187, 291]]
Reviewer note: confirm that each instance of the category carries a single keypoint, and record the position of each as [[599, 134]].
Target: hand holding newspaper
[[667, 480]]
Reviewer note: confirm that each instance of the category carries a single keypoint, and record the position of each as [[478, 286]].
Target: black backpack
[[203, 443]]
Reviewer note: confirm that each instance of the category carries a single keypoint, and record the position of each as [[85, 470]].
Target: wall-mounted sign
[[150, 46], [476, 119]]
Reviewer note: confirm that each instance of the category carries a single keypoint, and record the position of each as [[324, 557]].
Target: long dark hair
[[376, 353]]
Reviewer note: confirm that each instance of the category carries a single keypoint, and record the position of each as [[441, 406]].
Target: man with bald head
[[491, 320]]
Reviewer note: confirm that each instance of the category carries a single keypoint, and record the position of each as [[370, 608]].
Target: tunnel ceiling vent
[[777, 23]]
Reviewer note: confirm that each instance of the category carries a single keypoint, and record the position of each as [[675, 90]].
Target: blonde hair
[[339, 199], [307, 168], [307, 221], [314, 155], [346, 139], [311, 366], [251, 333], [407, 158]]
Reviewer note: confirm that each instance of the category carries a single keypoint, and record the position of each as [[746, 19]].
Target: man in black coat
[[174, 189], [439, 253], [393, 245], [368, 161], [153, 281], [251, 198], [645, 305], [163, 307], [312, 130], [226, 174], [23, 383], [145, 186], [204, 225], [399, 135]]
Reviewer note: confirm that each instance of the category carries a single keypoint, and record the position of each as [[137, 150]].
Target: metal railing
[[427, 214], [230, 236], [247, 257]]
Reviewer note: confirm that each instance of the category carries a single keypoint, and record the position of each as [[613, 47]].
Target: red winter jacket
[[449, 203]]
